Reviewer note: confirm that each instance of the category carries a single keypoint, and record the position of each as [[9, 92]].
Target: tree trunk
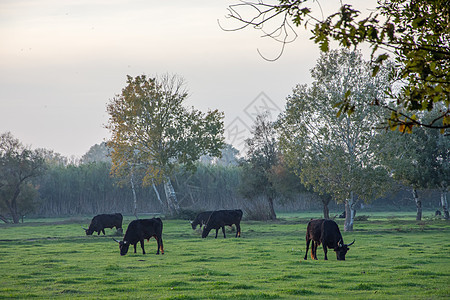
[[158, 196], [326, 211], [444, 203], [13, 205], [273, 215], [349, 213], [418, 204], [171, 197], [134, 198], [4, 219]]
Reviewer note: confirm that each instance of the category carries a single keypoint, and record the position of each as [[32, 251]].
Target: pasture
[[394, 257]]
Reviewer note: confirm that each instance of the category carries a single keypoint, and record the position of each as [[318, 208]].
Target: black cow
[[220, 219], [342, 216], [138, 231], [100, 222], [201, 219], [325, 232]]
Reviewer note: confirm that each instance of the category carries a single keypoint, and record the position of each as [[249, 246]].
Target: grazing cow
[[201, 219], [138, 231], [220, 219], [325, 232], [437, 213], [100, 222], [342, 216]]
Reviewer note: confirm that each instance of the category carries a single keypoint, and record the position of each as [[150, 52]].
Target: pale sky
[[61, 62]]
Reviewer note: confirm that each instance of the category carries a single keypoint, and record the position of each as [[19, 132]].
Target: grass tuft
[[301, 292]]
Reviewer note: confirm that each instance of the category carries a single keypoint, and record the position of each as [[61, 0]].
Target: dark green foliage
[[18, 166]]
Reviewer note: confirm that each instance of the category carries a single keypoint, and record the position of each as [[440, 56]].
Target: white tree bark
[[157, 195], [444, 203], [172, 202], [134, 197], [418, 204], [349, 213]]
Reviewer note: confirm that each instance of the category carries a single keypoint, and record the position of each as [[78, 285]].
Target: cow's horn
[[115, 240], [83, 228], [351, 243], [190, 222]]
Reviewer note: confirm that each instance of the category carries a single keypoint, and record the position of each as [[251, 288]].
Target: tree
[[18, 165], [228, 157], [153, 132], [420, 160], [97, 153], [262, 158], [415, 33], [334, 156]]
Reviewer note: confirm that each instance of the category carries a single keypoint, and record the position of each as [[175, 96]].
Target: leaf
[[381, 58], [376, 69], [324, 46], [338, 104], [409, 128], [347, 94]]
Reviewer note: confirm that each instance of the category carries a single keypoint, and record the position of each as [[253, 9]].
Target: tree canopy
[[334, 156], [258, 168], [420, 161], [18, 165], [415, 34], [153, 131]]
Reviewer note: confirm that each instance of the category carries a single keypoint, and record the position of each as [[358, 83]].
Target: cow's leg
[[223, 230], [142, 246], [135, 247], [103, 230], [157, 243], [325, 251], [314, 250], [238, 230], [307, 247], [217, 231], [161, 247], [99, 232]]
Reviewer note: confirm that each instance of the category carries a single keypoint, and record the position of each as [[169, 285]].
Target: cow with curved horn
[[327, 233], [140, 230]]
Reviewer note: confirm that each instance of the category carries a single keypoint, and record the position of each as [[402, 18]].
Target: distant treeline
[[88, 189]]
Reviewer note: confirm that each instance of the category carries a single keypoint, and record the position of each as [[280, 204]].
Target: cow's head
[[88, 231], [194, 225], [342, 249], [206, 231], [123, 246]]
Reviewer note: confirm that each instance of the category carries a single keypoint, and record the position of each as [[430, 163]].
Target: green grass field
[[394, 257]]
